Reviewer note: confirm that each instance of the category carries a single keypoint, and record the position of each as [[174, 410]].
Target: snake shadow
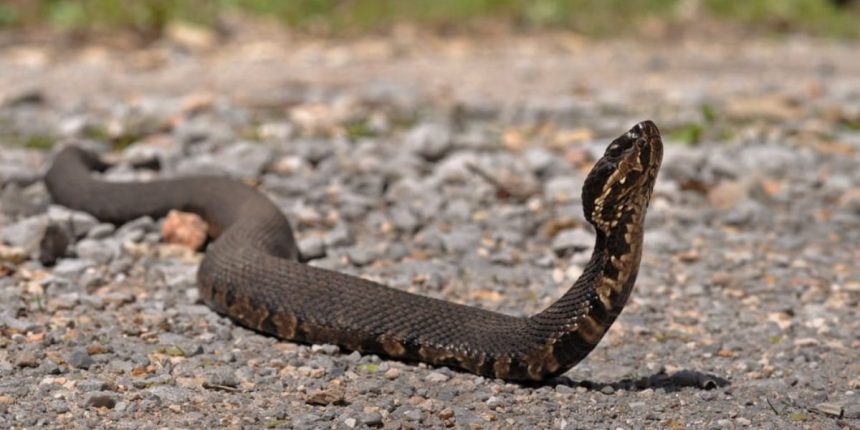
[[670, 382]]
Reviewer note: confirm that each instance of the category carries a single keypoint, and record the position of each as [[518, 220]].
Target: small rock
[[727, 195], [92, 385], [223, 376], [327, 349], [27, 358], [99, 251], [102, 399], [101, 231], [493, 402], [80, 359], [169, 394], [563, 188], [828, 408], [430, 141], [851, 411], [413, 414], [361, 256], [372, 419], [436, 377], [572, 241], [184, 228], [77, 223], [329, 396], [26, 233], [392, 374], [245, 159], [134, 230], [340, 235], [403, 219], [312, 248], [743, 421], [12, 254]]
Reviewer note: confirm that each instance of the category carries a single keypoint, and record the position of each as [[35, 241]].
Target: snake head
[[620, 183]]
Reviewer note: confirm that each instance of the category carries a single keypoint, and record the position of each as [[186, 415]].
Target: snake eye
[[618, 147]]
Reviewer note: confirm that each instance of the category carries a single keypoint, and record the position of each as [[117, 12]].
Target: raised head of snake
[[615, 197]]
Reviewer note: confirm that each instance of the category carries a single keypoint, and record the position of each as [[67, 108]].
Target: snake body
[[252, 271]]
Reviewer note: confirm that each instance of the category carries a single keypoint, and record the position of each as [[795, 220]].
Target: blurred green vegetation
[[595, 17]]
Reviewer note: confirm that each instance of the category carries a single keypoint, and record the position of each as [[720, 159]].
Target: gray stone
[[101, 231], [99, 251], [169, 394], [340, 235], [851, 411], [429, 140], [223, 376], [92, 385], [436, 377], [564, 188], [312, 248], [26, 233], [462, 238], [829, 408], [326, 349], [361, 256], [28, 358], [80, 359], [77, 223], [135, 230], [413, 414], [573, 241], [539, 159], [102, 399], [403, 219], [372, 419]]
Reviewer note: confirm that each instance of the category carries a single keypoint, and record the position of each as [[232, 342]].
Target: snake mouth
[[646, 129]]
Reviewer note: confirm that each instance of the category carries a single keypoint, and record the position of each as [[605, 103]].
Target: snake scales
[[252, 271]]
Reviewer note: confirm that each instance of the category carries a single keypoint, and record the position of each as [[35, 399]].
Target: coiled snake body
[[252, 271]]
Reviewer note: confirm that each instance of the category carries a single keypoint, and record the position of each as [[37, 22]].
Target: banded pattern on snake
[[252, 272]]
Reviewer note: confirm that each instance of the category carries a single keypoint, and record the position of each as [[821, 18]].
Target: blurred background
[[339, 17]]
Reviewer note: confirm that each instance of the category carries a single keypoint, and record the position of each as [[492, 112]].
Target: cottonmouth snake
[[253, 274]]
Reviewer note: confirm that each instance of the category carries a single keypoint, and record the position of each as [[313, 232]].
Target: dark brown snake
[[253, 274]]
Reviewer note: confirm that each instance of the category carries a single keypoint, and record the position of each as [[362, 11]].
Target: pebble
[[340, 235], [429, 140], [851, 411], [78, 223], [223, 376], [98, 251], [361, 256], [372, 419], [436, 377], [26, 233], [28, 358], [102, 399], [413, 414], [80, 359], [312, 248], [572, 241], [828, 408]]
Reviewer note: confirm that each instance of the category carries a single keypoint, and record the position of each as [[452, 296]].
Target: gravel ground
[[438, 169]]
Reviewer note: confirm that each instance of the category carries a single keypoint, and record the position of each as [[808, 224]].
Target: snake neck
[[574, 325]]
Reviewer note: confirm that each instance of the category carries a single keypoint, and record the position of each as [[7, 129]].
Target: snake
[[253, 273]]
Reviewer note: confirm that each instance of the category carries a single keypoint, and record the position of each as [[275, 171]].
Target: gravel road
[[450, 168]]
